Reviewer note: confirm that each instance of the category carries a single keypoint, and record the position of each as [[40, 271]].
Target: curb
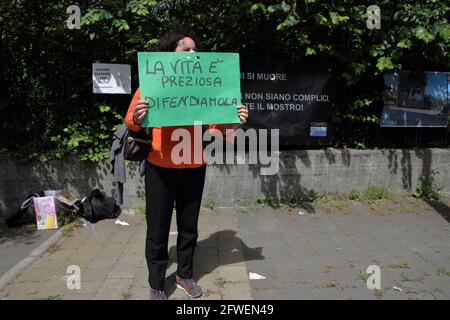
[[10, 275]]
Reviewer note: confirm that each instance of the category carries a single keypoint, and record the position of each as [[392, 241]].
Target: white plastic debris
[[235, 250], [397, 289], [122, 223], [302, 212], [255, 276], [89, 226]]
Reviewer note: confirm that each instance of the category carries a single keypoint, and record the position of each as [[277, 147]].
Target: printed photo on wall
[[416, 99]]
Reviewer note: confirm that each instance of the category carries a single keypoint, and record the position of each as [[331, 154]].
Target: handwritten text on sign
[[186, 87]]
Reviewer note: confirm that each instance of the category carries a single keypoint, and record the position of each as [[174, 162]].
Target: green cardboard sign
[[186, 87]]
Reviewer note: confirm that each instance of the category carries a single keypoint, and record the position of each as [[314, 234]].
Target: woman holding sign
[[168, 181]]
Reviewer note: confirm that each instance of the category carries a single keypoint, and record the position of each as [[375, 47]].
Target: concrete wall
[[325, 171]]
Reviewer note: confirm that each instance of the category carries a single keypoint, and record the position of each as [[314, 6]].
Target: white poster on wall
[[111, 78]]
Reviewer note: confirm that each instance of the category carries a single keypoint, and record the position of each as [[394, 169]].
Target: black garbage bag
[[97, 207], [24, 215]]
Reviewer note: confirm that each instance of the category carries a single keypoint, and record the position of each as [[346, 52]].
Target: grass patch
[[313, 197], [210, 204], [331, 285], [378, 293], [304, 200], [406, 278], [372, 193], [292, 201], [141, 210], [425, 188], [401, 265], [70, 228], [330, 198], [443, 271], [356, 195], [364, 276], [332, 202], [264, 199]]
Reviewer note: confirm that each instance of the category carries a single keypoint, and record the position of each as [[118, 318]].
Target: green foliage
[[264, 199], [46, 95], [406, 278], [426, 189], [296, 200], [356, 195], [372, 193], [378, 193], [141, 210], [363, 276], [337, 19], [89, 140], [443, 272], [378, 293], [400, 265], [210, 204], [140, 7], [69, 225], [385, 64], [312, 196]]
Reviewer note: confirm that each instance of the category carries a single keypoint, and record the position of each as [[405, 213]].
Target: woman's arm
[[136, 112]]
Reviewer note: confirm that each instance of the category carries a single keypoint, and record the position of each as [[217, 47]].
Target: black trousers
[[163, 187]]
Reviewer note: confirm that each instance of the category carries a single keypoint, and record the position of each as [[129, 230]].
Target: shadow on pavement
[[245, 253], [439, 207], [27, 234]]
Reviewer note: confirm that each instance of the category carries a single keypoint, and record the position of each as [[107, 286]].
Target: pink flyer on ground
[[44, 208]]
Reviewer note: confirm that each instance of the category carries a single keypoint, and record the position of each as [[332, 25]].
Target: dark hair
[[169, 42]]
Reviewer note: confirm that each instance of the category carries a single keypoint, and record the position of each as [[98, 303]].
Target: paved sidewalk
[[17, 243], [113, 266], [325, 254], [320, 254], [20, 247]]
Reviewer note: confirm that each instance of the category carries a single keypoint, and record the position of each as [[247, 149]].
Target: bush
[[47, 101]]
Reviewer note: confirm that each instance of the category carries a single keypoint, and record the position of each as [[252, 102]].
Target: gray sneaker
[[189, 286], [157, 295]]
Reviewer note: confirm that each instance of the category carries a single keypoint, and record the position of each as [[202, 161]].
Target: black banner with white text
[[296, 98]]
